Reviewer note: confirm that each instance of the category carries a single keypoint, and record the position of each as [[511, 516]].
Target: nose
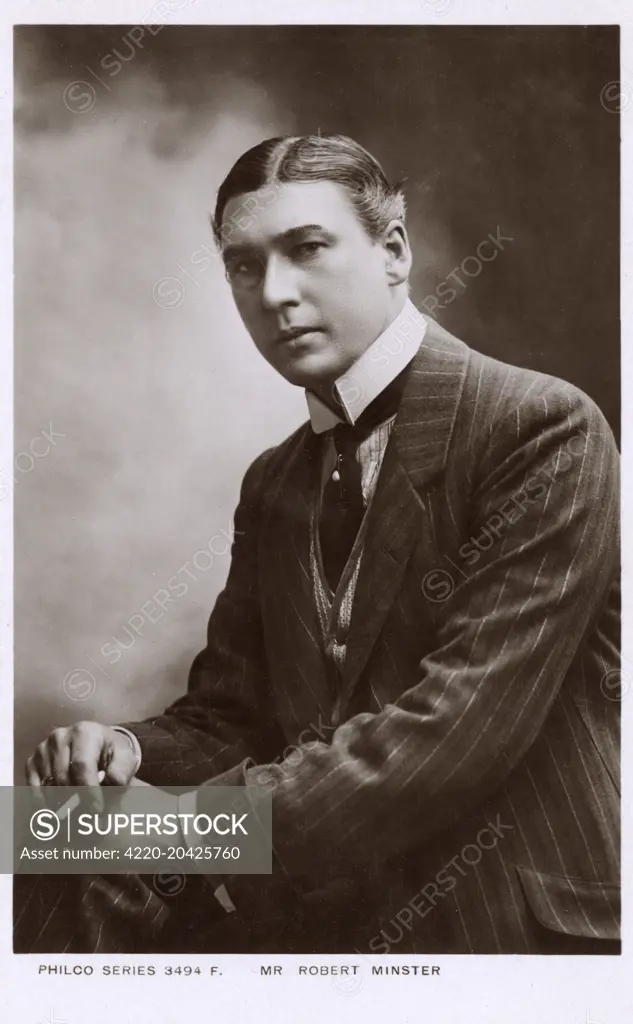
[[279, 285]]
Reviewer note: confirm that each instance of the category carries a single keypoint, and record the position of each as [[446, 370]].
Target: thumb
[[116, 775]]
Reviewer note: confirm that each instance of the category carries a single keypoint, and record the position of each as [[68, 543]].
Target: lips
[[292, 333]]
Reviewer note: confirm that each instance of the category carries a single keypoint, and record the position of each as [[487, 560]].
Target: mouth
[[293, 334]]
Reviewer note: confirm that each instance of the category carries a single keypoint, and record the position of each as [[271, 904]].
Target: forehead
[[255, 218]]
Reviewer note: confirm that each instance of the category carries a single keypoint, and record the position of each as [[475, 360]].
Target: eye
[[307, 249], [244, 271]]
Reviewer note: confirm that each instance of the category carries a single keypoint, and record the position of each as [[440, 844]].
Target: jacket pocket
[[572, 906]]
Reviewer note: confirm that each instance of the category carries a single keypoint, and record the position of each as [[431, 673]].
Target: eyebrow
[[231, 252]]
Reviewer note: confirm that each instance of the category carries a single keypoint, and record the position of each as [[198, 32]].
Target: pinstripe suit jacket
[[480, 684]]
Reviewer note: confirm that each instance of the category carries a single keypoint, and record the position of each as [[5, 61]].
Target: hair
[[306, 158]]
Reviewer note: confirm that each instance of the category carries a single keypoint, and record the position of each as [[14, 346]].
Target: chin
[[310, 370]]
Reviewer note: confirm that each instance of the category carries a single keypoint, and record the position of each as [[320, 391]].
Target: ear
[[398, 259]]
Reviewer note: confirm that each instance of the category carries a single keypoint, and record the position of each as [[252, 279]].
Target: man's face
[[310, 284]]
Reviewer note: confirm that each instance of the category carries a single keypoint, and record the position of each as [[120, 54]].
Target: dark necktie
[[342, 506]]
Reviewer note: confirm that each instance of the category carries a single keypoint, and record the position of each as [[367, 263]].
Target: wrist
[[128, 744]]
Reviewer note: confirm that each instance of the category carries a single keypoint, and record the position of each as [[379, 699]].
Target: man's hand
[[73, 756]]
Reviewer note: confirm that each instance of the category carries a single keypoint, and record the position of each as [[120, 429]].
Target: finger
[[60, 767], [42, 763], [59, 756], [85, 754], [31, 773], [33, 779]]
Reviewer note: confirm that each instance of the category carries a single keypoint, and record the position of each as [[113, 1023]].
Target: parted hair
[[308, 158]]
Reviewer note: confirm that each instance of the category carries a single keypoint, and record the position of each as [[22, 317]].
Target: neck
[[324, 388]]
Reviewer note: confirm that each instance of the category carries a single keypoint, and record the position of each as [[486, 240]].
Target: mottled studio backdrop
[[140, 401]]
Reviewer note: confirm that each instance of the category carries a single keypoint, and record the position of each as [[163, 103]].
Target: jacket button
[[340, 634]]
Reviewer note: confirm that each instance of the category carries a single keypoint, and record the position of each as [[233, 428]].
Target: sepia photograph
[[316, 477]]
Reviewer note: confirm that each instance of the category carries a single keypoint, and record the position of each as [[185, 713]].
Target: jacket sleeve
[[225, 715], [504, 642]]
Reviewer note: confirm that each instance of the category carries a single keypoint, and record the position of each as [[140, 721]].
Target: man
[[422, 606]]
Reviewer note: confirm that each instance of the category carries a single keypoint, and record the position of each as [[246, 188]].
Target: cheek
[[357, 304], [248, 309], [355, 293], [359, 274], [252, 317]]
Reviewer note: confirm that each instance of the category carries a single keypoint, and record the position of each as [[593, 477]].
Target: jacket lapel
[[293, 634], [416, 454]]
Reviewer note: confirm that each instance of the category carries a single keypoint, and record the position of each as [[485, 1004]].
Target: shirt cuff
[[136, 746]]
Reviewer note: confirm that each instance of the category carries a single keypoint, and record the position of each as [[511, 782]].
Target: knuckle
[[57, 738], [81, 727]]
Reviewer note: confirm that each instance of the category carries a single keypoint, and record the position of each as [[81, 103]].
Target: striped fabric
[[86, 914], [370, 453], [478, 687], [335, 610], [119, 914]]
